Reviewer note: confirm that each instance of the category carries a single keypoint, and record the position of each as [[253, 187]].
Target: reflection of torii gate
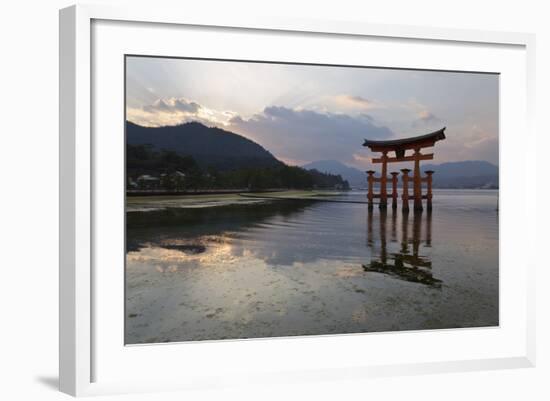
[[400, 146], [402, 264]]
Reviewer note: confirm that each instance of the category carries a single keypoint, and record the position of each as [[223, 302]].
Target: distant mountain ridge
[[464, 174], [355, 177], [209, 146], [467, 168]]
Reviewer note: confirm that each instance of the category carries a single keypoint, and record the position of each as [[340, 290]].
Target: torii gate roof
[[422, 141]]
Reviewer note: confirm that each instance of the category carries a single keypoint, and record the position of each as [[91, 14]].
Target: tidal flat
[[215, 267]]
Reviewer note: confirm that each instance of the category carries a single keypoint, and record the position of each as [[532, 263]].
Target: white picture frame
[[78, 224]]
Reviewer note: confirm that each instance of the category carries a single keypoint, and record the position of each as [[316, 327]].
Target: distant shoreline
[[161, 192], [157, 192]]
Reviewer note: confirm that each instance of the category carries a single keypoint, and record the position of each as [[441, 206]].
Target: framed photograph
[[273, 200]]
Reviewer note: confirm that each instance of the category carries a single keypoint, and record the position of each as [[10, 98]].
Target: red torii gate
[[400, 147]]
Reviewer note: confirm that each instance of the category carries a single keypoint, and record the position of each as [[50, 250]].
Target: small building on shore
[[147, 181]]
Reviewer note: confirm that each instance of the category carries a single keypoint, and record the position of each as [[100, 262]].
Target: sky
[[306, 113]]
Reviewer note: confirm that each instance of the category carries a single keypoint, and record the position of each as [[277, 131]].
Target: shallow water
[[244, 269]]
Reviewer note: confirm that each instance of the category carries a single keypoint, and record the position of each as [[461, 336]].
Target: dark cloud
[[305, 135]]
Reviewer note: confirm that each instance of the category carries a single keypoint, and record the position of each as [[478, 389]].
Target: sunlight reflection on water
[[279, 268]]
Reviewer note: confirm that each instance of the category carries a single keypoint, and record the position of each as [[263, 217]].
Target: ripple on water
[[281, 268]]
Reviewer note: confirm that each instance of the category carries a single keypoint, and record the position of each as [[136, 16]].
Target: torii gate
[[400, 147]]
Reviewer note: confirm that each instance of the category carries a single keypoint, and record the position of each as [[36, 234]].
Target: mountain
[[356, 178], [209, 146], [465, 174]]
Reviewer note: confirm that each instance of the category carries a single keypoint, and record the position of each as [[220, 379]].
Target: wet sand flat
[[249, 268]]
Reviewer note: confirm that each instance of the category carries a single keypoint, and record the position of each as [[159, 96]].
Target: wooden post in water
[[429, 228], [405, 233], [429, 196], [370, 242], [405, 195], [417, 232], [383, 248], [394, 189], [417, 179], [383, 182], [393, 226], [370, 194]]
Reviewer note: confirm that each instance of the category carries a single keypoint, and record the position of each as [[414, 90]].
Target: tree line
[[147, 167]]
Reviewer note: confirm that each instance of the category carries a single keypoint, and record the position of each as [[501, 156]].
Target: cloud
[[299, 136], [419, 115], [308, 135], [185, 106], [173, 111], [353, 103], [469, 142], [427, 116], [173, 105]]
